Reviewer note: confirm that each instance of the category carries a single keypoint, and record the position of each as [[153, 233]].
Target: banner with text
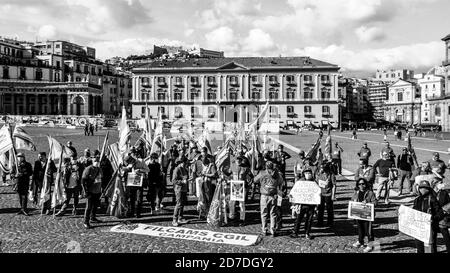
[[305, 192], [414, 223], [188, 234]]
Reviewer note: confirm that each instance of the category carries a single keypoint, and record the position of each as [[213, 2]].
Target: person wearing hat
[[365, 171], [23, 176], [70, 146], [155, 189], [280, 157], [270, 189], [365, 152], [404, 163], [327, 183], [179, 181], [304, 210], [40, 167], [364, 194], [427, 202], [424, 169]]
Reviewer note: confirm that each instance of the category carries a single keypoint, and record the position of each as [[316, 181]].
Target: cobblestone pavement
[[37, 233]]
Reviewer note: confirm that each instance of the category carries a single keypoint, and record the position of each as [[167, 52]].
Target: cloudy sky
[[358, 35]]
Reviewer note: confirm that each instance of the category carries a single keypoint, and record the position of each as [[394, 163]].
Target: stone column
[[219, 90], [36, 104], [170, 89], [298, 94], [185, 89], [282, 87], [263, 92], [48, 111], [59, 104], [87, 103], [2, 107], [13, 104], [316, 79], [154, 88], [203, 88]]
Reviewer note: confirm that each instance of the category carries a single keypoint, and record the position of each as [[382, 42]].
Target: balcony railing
[[310, 116], [326, 82], [291, 83], [195, 83], [234, 83], [162, 83], [178, 83], [327, 115], [257, 83], [274, 83], [292, 115], [212, 83]]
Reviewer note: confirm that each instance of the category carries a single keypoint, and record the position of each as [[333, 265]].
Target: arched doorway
[[78, 104]]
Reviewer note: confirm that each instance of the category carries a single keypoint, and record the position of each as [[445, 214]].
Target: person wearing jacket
[[71, 176], [327, 183], [404, 163], [135, 193], [23, 176], [365, 171], [364, 194], [337, 158], [156, 186], [40, 167], [365, 152], [443, 196], [428, 203], [242, 172], [383, 168], [179, 180], [303, 210], [92, 184], [424, 169], [270, 189]]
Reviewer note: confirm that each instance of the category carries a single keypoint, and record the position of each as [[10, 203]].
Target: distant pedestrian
[[337, 158], [354, 134], [96, 126], [384, 134], [320, 133], [365, 152], [86, 129], [91, 129], [399, 134]]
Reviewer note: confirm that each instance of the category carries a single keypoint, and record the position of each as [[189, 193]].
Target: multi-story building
[[393, 75], [117, 90], [235, 89], [206, 53], [432, 87], [378, 94], [34, 81], [404, 103]]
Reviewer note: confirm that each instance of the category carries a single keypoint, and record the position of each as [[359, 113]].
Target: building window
[[290, 80], [273, 110], [195, 81], [86, 69], [38, 75], [308, 80], [5, 72], [78, 70], [307, 109], [290, 93], [178, 95], [179, 81], [437, 111], [145, 81], [211, 94], [256, 94], [195, 112], [211, 112], [211, 81], [399, 96], [195, 94], [273, 93], [161, 95], [326, 110], [23, 75], [308, 93], [178, 112], [273, 80], [161, 81], [326, 94]]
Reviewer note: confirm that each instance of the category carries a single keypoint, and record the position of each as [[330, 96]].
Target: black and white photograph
[[125, 124]]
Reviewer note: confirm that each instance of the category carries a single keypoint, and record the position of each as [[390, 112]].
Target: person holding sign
[[242, 171], [271, 183], [428, 203], [135, 175], [364, 195], [327, 183], [443, 196], [304, 210]]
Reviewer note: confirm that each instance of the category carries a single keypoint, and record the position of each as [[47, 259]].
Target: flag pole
[[58, 180], [45, 176]]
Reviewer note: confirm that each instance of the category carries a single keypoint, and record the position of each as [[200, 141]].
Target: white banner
[[188, 234], [305, 192], [214, 126], [361, 211], [5, 140], [237, 190], [414, 223]]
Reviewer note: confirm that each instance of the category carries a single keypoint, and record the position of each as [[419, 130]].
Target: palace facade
[[300, 89]]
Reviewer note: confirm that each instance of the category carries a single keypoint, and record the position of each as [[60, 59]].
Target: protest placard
[[415, 223], [237, 190], [305, 192], [361, 211], [134, 179]]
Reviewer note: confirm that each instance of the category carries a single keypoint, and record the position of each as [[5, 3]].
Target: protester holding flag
[[71, 175], [207, 186], [22, 175], [155, 192], [134, 193], [327, 183], [92, 185], [40, 170]]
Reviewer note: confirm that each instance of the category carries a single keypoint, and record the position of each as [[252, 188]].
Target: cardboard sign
[[134, 179], [361, 211], [188, 234], [415, 223], [237, 190], [305, 192]]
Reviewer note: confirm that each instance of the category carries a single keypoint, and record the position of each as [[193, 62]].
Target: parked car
[[428, 127], [290, 125]]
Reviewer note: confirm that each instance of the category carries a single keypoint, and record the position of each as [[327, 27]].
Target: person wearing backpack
[[443, 196]]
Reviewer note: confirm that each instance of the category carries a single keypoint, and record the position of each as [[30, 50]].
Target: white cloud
[[369, 34], [408, 56], [188, 32], [47, 32], [222, 39], [258, 43]]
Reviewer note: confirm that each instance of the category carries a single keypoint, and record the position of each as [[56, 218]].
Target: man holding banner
[[23, 176]]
